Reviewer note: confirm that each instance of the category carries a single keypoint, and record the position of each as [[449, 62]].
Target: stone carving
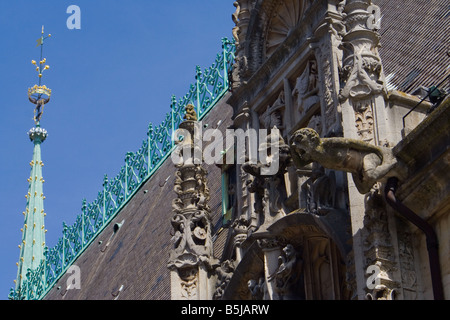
[[257, 288], [378, 245], [285, 17], [241, 19], [246, 212], [307, 82], [269, 189], [189, 282], [191, 219], [268, 243], [305, 90], [255, 185], [375, 220], [367, 163], [288, 271], [328, 57], [364, 121], [374, 20], [406, 257], [381, 292], [315, 123], [330, 112], [361, 70], [362, 78], [190, 186], [240, 227], [191, 239], [319, 191], [273, 116], [235, 18], [224, 273], [240, 71], [190, 113]]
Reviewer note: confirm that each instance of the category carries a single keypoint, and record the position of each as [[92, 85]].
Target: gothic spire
[[32, 245]]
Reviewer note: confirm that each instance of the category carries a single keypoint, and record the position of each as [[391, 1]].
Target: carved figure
[[39, 103], [224, 275], [312, 79], [268, 185], [319, 191], [190, 113], [305, 93], [381, 292], [235, 18], [257, 288], [367, 163], [273, 116], [363, 78], [288, 271]]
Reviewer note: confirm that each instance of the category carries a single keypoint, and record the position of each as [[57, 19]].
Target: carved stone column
[[326, 46], [362, 99], [362, 80], [191, 259], [246, 218], [241, 18], [378, 246]]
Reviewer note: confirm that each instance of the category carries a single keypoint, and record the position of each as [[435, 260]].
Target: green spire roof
[[33, 231]]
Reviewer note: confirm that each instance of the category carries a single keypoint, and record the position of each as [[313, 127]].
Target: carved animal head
[[304, 142]]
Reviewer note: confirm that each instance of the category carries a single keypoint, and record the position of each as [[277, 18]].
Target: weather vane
[[40, 94]]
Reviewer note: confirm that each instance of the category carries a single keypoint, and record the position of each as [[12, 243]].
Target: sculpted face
[[289, 251], [304, 142]]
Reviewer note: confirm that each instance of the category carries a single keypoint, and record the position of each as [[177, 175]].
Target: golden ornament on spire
[[40, 94]]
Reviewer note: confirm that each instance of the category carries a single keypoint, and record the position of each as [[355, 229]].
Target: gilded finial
[[39, 94]]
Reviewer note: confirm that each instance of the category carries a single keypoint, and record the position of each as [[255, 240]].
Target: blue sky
[[109, 80]]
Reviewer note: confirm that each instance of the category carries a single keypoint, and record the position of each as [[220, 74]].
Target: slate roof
[[137, 255], [415, 42]]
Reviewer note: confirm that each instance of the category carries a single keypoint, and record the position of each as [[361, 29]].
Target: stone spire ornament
[[191, 259], [32, 246]]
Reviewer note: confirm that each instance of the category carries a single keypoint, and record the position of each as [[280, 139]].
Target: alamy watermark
[[374, 280], [74, 20], [74, 280]]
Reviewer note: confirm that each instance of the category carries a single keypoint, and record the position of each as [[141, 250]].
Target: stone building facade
[[358, 208]]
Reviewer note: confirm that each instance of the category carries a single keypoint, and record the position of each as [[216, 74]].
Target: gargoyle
[[367, 163]]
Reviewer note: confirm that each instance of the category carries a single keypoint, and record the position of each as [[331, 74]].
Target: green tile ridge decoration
[[209, 88]]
